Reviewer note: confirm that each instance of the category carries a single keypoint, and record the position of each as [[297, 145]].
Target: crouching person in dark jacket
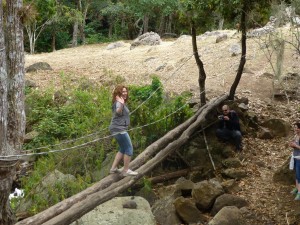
[[229, 127]]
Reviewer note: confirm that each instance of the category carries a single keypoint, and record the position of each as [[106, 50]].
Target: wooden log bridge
[[73, 208]]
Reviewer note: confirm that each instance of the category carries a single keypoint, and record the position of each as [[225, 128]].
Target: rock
[[205, 192], [284, 175], [130, 205], [187, 210], [184, 184], [265, 133], [252, 119], [268, 75], [235, 49], [115, 45], [228, 200], [30, 136], [30, 84], [278, 127], [113, 213], [49, 182], [232, 163], [38, 66], [148, 194], [246, 70], [165, 212], [243, 106], [221, 37], [149, 38], [230, 186], [234, 173], [229, 215]]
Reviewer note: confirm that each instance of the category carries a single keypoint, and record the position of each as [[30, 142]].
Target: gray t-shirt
[[120, 121]]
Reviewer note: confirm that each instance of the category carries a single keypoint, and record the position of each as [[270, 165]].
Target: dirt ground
[[173, 62]]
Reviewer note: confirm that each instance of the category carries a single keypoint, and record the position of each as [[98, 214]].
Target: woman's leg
[[117, 160], [297, 168], [127, 160]]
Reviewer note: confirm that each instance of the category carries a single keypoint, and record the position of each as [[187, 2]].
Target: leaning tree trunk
[[74, 207], [202, 74], [243, 57]]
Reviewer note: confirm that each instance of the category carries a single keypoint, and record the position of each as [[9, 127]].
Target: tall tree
[[41, 15], [12, 123], [238, 76]]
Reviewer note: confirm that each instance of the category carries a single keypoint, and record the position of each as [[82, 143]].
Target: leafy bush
[[77, 113]]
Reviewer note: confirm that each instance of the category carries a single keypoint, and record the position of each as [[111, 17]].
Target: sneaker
[[297, 198], [294, 191], [115, 170], [130, 173]]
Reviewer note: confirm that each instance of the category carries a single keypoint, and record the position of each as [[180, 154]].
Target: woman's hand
[[120, 99], [294, 145]]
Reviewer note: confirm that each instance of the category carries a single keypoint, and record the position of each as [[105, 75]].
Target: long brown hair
[[118, 91]]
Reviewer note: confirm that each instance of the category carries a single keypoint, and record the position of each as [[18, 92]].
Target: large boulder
[[229, 215], [165, 212], [119, 211], [205, 192], [228, 200], [234, 173], [278, 127], [49, 182], [149, 38], [38, 66], [187, 210]]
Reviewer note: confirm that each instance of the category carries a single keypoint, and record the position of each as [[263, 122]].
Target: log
[[168, 176], [76, 206]]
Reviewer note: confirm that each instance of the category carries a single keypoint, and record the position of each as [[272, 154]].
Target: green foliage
[[296, 5], [54, 122], [94, 37], [147, 184], [43, 196], [151, 106], [79, 110]]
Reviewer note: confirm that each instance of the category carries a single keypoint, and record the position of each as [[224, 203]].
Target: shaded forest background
[[57, 24]]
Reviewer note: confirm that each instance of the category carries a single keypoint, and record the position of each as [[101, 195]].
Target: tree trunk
[[12, 125], [53, 43], [76, 206], [146, 23], [221, 23], [3, 88], [16, 71], [5, 178], [161, 28], [166, 177], [243, 57], [84, 11], [75, 34], [202, 74], [169, 24], [110, 29]]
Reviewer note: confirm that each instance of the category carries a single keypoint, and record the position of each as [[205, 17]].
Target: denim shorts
[[297, 168], [124, 141]]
